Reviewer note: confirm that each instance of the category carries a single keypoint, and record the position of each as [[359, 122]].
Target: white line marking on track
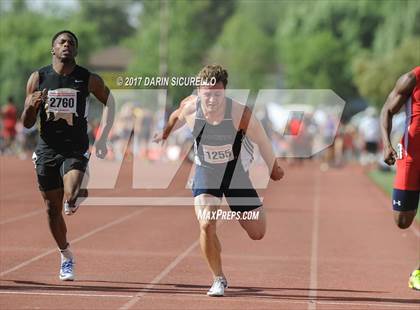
[[253, 299], [21, 217], [19, 195], [147, 201], [313, 280], [160, 276], [82, 237], [379, 304], [64, 294]]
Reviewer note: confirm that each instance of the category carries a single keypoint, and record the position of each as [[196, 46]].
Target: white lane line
[[238, 300], [153, 201], [380, 304], [64, 294], [270, 300], [23, 216], [15, 195], [313, 280], [160, 276], [87, 235]]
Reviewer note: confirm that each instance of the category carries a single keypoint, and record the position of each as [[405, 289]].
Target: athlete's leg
[[405, 201], [51, 188], [255, 227], [405, 204], [54, 203], [72, 181], [73, 170], [242, 197], [209, 242], [403, 219]]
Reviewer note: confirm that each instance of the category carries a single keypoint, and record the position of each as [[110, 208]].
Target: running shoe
[[414, 281], [67, 270], [70, 209], [218, 287]]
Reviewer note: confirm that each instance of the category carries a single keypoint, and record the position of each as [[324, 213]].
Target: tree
[[27, 43], [192, 28], [112, 18], [376, 76], [246, 51], [246, 46], [317, 49]]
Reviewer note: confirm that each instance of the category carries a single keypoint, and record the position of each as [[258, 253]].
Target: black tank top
[[217, 147], [64, 124]]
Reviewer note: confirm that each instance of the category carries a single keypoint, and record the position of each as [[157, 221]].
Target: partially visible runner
[[59, 92], [9, 117], [405, 196], [223, 130]]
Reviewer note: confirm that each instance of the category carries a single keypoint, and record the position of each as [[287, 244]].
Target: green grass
[[385, 181]]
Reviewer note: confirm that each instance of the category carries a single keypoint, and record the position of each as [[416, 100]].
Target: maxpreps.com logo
[[301, 123]]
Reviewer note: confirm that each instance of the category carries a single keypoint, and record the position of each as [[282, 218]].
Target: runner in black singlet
[[59, 94]]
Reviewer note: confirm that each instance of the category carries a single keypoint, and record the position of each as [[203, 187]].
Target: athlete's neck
[[63, 68], [215, 116]]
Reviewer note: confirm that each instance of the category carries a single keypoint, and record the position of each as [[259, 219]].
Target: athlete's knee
[[53, 211], [71, 195], [256, 235], [208, 228], [403, 222]]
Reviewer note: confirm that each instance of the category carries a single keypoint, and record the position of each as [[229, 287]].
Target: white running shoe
[[70, 209], [67, 270], [218, 287]]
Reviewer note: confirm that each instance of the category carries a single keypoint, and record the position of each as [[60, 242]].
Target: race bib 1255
[[217, 154]]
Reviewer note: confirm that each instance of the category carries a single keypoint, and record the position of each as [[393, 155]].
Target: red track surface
[[331, 244]]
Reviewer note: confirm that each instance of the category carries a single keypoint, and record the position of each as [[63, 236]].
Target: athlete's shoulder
[[239, 109], [33, 82], [236, 105], [82, 73], [45, 69], [95, 78], [416, 72], [188, 103], [189, 100], [83, 69], [241, 114], [407, 82]]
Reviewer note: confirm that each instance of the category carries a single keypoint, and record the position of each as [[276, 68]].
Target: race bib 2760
[[63, 100]]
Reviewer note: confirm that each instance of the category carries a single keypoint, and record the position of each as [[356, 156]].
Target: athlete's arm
[[176, 120], [98, 88], [255, 131], [396, 99], [33, 100]]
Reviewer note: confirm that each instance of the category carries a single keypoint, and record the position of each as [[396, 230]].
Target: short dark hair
[[216, 72], [64, 31], [10, 99]]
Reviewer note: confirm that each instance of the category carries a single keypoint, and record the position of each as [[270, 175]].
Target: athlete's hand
[[277, 173], [38, 97], [101, 149], [390, 155], [158, 137]]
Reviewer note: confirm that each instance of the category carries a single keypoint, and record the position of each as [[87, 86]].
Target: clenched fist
[[277, 173], [38, 97]]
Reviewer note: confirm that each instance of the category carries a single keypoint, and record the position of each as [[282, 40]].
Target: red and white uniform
[[408, 167]]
